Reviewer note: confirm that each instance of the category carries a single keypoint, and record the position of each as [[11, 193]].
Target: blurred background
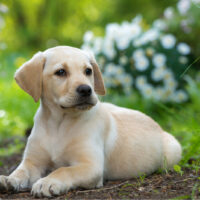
[[148, 51]]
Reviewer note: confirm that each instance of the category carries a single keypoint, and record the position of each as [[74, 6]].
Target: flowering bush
[[149, 61], [185, 18]]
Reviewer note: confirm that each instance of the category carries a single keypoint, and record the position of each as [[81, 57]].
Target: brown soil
[[156, 186]]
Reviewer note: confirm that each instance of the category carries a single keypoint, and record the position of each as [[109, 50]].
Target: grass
[[182, 120]]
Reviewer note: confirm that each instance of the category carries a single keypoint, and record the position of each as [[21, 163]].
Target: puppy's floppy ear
[[99, 87], [29, 76]]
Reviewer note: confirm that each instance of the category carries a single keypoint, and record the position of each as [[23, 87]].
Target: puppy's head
[[65, 76]]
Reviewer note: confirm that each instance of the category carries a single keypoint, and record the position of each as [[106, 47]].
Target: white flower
[[128, 80], [147, 91], [168, 75], [88, 36], [183, 6], [159, 93], [169, 13], [137, 54], [97, 45], [170, 83], [180, 96], [168, 93], [140, 82], [157, 74], [3, 8], [159, 24], [2, 113], [123, 43], [183, 60], [183, 48], [110, 69], [141, 63], [137, 19], [135, 30], [119, 70], [126, 33], [112, 30], [101, 61], [168, 41], [114, 70], [149, 36], [159, 60], [87, 47], [108, 48], [123, 60]]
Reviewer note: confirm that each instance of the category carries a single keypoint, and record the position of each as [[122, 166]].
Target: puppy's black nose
[[84, 90]]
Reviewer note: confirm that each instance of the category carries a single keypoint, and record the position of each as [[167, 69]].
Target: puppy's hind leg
[[172, 150]]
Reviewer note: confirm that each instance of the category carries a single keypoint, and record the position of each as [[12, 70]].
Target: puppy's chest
[[55, 144]]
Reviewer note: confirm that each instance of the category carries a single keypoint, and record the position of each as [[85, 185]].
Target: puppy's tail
[[172, 151]]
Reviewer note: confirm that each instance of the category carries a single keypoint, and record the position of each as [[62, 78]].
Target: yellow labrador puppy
[[81, 140]]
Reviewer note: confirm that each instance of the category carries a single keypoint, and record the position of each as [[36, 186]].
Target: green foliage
[[140, 180], [188, 23], [177, 168], [182, 197], [16, 107], [39, 24]]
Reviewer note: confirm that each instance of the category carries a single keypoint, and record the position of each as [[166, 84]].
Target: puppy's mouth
[[80, 106]]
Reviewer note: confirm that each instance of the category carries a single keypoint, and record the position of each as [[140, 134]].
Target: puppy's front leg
[[85, 174], [21, 178], [28, 172]]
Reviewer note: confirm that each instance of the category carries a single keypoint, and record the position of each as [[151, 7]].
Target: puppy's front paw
[[14, 184], [3, 184], [48, 187]]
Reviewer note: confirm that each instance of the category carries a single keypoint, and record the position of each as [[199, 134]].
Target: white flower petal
[[88, 36], [183, 48], [141, 63], [159, 60], [168, 41]]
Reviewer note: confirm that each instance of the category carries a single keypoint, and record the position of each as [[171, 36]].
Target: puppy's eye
[[60, 72], [88, 71]]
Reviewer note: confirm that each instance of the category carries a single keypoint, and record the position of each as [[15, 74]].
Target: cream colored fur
[[82, 145]]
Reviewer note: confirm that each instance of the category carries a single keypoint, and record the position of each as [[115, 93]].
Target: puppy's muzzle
[[83, 99], [84, 91]]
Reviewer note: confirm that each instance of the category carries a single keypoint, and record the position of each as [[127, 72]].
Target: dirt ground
[[156, 186]]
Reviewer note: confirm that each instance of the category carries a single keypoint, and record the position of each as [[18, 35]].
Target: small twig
[[102, 189], [184, 180]]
